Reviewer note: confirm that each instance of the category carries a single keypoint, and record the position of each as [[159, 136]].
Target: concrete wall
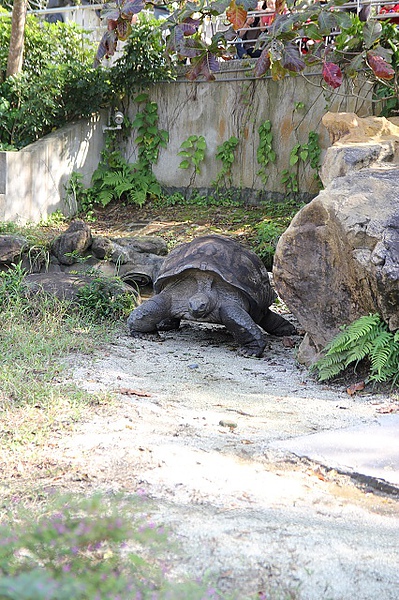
[[237, 105], [33, 180]]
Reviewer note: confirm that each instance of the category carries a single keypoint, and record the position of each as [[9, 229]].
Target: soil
[[193, 427]]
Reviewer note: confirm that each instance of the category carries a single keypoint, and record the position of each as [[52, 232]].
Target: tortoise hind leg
[[169, 324], [275, 324]]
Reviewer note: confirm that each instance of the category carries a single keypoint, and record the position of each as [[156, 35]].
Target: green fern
[[369, 338]]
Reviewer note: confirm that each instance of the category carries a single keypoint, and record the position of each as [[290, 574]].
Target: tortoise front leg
[[145, 318], [244, 330]]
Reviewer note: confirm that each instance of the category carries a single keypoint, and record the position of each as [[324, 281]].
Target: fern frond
[[122, 188], [381, 350], [138, 196], [368, 337], [385, 358], [364, 326], [104, 197]]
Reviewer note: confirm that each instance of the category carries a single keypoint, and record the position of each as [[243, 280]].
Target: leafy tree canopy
[[313, 21]]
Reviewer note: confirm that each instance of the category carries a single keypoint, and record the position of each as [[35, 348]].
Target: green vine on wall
[[149, 138], [117, 180], [225, 153], [265, 153], [193, 153], [309, 152]]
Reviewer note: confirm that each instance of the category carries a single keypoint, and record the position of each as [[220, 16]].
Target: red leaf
[[332, 74], [291, 59], [190, 26], [206, 66], [262, 64], [124, 29], [106, 47], [379, 66], [112, 24], [237, 15], [133, 7]]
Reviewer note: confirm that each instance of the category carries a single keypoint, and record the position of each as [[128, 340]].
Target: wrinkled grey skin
[[203, 295]]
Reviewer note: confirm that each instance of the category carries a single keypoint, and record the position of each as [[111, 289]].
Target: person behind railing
[[268, 13], [249, 33]]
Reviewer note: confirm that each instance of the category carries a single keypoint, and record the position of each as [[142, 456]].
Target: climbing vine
[[226, 153], [265, 153], [149, 138], [193, 153], [117, 180], [305, 153]]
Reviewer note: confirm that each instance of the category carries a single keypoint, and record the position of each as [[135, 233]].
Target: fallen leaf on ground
[[355, 387], [391, 408], [288, 342], [130, 392]]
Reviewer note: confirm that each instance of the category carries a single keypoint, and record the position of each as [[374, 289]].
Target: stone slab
[[369, 450]]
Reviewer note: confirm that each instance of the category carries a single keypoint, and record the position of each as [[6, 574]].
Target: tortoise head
[[204, 300]]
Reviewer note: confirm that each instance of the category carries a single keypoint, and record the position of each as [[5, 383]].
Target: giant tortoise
[[213, 279]]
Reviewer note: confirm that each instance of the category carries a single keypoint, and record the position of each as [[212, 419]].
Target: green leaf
[[304, 154], [184, 164], [141, 98], [201, 143], [372, 32], [187, 144]]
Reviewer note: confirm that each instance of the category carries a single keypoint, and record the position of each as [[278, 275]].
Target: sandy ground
[[194, 429]]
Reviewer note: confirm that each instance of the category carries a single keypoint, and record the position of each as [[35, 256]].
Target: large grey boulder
[[12, 248], [339, 258], [72, 243]]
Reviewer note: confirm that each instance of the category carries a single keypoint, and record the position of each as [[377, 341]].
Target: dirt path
[[194, 430]]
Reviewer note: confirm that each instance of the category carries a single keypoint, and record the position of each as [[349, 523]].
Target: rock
[[62, 285], [12, 248], [72, 243], [131, 262], [149, 244], [141, 269], [107, 249], [341, 160], [339, 258], [349, 128], [358, 143]]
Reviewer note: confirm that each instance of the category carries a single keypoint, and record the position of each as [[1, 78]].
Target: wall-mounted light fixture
[[118, 119]]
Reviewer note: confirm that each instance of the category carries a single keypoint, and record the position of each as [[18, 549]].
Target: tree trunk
[[16, 49]]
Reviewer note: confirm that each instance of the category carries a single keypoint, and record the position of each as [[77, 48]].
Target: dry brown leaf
[[391, 408], [355, 387], [130, 392]]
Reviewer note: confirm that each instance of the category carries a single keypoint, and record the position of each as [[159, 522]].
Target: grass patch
[[37, 398]]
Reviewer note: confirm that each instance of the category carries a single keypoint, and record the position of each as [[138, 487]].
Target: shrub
[[57, 83], [143, 60], [105, 299]]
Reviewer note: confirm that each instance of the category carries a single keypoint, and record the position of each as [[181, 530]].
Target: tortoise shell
[[232, 262]]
